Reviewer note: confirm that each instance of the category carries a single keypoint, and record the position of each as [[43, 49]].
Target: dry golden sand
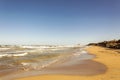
[[108, 57]]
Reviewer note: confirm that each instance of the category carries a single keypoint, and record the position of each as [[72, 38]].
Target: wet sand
[[104, 57], [85, 67]]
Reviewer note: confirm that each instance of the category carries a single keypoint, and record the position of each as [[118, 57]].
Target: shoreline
[[105, 56], [74, 64], [85, 68]]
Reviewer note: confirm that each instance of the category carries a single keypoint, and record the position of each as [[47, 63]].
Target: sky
[[58, 21]]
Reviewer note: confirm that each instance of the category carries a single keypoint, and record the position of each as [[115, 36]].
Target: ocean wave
[[4, 49], [83, 52], [13, 54], [37, 65]]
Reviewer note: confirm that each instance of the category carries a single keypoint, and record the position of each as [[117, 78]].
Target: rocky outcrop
[[115, 44]]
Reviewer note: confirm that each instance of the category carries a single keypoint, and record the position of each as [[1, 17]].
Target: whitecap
[[12, 54], [20, 54], [2, 55], [83, 52]]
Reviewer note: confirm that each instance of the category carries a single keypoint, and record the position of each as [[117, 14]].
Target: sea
[[35, 58]]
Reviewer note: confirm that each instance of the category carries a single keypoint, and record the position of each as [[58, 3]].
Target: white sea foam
[[37, 66], [78, 53], [83, 52], [23, 54], [25, 64], [13, 54], [2, 55], [3, 49]]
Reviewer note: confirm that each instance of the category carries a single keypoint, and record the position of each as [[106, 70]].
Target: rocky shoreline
[[114, 44]]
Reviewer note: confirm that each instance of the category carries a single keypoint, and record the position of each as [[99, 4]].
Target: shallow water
[[36, 61]]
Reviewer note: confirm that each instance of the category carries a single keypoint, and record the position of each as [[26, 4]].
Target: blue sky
[[58, 21]]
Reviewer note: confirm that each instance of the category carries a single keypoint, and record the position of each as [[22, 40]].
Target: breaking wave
[[12, 54]]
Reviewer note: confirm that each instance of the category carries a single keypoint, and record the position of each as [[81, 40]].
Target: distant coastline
[[114, 44]]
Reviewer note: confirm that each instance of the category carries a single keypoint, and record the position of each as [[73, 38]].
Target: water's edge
[[76, 57]]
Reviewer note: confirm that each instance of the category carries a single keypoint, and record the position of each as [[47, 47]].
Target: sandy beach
[[59, 39], [110, 58]]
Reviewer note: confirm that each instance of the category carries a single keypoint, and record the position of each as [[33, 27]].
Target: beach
[[25, 61], [108, 57], [59, 39]]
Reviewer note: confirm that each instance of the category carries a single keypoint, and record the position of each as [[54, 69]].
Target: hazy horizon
[[58, 21]]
